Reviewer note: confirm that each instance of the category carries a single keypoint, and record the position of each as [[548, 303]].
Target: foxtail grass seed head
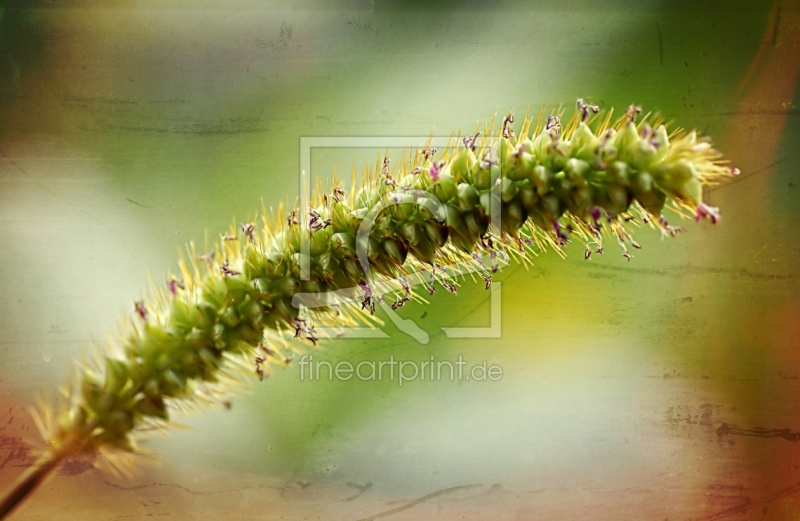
[[585, 179]]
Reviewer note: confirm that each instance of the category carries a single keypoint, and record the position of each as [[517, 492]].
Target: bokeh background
[[665, 388]]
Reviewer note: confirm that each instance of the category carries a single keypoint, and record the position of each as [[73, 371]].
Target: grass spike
[[230, 308]]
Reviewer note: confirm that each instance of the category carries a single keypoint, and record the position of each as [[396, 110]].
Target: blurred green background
[[128, 128]]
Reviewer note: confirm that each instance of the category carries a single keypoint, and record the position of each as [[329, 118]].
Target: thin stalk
[[30, 481]]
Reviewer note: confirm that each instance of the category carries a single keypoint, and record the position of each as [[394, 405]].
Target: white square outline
[[307, 143]]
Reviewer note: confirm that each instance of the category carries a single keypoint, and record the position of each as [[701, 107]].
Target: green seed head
[[553, 182]]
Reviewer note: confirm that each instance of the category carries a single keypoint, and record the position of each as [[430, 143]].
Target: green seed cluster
[[584, 180]]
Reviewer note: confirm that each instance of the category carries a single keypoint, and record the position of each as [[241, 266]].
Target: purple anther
[[495, 265], [436, 169], [703, 210], [404, 284], [315, 218], [489, 160], [674, 231], [471, 142], [367, 301], [507, 131], [175, 285], [487, 241], [585, 108], [427, 153], [291, 219], [553, 122], [633, 111], [522, 242], [477, 259], [317, 223], [227, 271], [301, 327], [141, 310], [562, 237], [249, 230], [400, 301], [386, 166]]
